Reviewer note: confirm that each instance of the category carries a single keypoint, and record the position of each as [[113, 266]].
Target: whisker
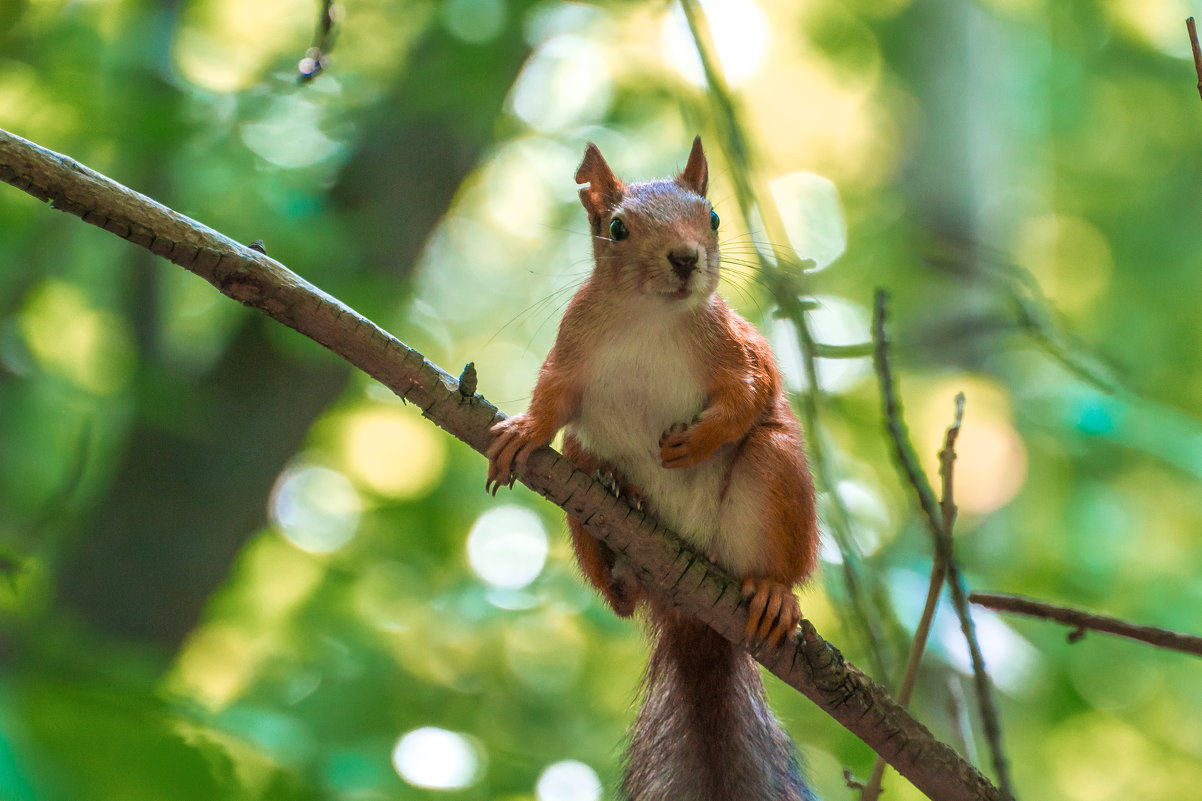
[[749, 273], [750, 299], [542, 302], [564, 229]]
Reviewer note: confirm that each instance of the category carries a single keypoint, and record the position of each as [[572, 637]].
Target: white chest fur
[[643, 379]]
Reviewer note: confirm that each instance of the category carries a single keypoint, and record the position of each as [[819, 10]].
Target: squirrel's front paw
[[773, 611], [685, 445], [516, 438]]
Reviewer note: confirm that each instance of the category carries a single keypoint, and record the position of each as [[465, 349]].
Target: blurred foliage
[[233, 569]]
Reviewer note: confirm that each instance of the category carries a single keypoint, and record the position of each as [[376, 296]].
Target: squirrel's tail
[[705, 732]]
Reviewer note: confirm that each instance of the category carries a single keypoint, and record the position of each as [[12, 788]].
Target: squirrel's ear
[[604, 190], [696, 174]]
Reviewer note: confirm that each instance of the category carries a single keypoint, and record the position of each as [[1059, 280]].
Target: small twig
[[1083, 621], [939, 519], [857, 351], [947, 464], [1197, 48], [947, 458]]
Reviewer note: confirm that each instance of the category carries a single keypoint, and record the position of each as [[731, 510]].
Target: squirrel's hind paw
[[773, 611]]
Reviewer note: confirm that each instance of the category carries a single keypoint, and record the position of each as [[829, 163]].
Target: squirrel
[[675, 398]]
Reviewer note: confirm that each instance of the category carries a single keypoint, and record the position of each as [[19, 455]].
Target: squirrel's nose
[[683, 261]]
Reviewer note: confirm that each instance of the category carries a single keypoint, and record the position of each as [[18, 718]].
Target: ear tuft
[[604, 190], [696, 173]]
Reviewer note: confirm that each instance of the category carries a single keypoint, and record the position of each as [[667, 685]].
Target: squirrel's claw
[[508, 453], [609, 480], [772, 610], [618, 487], [633, 496]]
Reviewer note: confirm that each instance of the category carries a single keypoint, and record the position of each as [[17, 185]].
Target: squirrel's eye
[[714, 220], [617, 229]]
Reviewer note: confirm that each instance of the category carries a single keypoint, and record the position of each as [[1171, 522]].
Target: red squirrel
[[664, 388]]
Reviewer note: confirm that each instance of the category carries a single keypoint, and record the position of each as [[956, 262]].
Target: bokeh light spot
[[437, 759], [224, 45], [991, 458], [290, 133], [563, 84], [507, 546], [813, 215], [315, 507], [740, 33], [1158, 23], [474, 21], [215, 664], [89, 347], [869, 513], [1011, 659], [390, 452], [545, 651], [835, 321], [1070, 257], [568, 780]]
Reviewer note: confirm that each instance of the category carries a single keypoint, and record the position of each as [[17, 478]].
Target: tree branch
[[805, 661], [1196, 48], [1082, 621]]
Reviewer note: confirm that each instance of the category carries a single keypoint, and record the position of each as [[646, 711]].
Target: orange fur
[[660, 384], [745, 416]]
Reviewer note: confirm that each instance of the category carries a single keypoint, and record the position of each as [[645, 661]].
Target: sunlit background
[[232, 568]]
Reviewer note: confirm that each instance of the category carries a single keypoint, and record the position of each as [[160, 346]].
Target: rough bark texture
[[805, 662]]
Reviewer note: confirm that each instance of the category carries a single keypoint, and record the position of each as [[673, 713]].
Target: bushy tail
[[705, 732]]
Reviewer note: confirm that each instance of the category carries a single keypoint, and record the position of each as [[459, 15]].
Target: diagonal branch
[[806, 662]]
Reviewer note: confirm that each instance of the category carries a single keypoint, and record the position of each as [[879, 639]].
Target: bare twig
[[859, 351], [939, 520], [1197, 49], [947, 459], [805, 661], [1081, 621]]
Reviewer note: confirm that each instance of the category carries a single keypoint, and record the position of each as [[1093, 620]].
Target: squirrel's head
[[657, 238]]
